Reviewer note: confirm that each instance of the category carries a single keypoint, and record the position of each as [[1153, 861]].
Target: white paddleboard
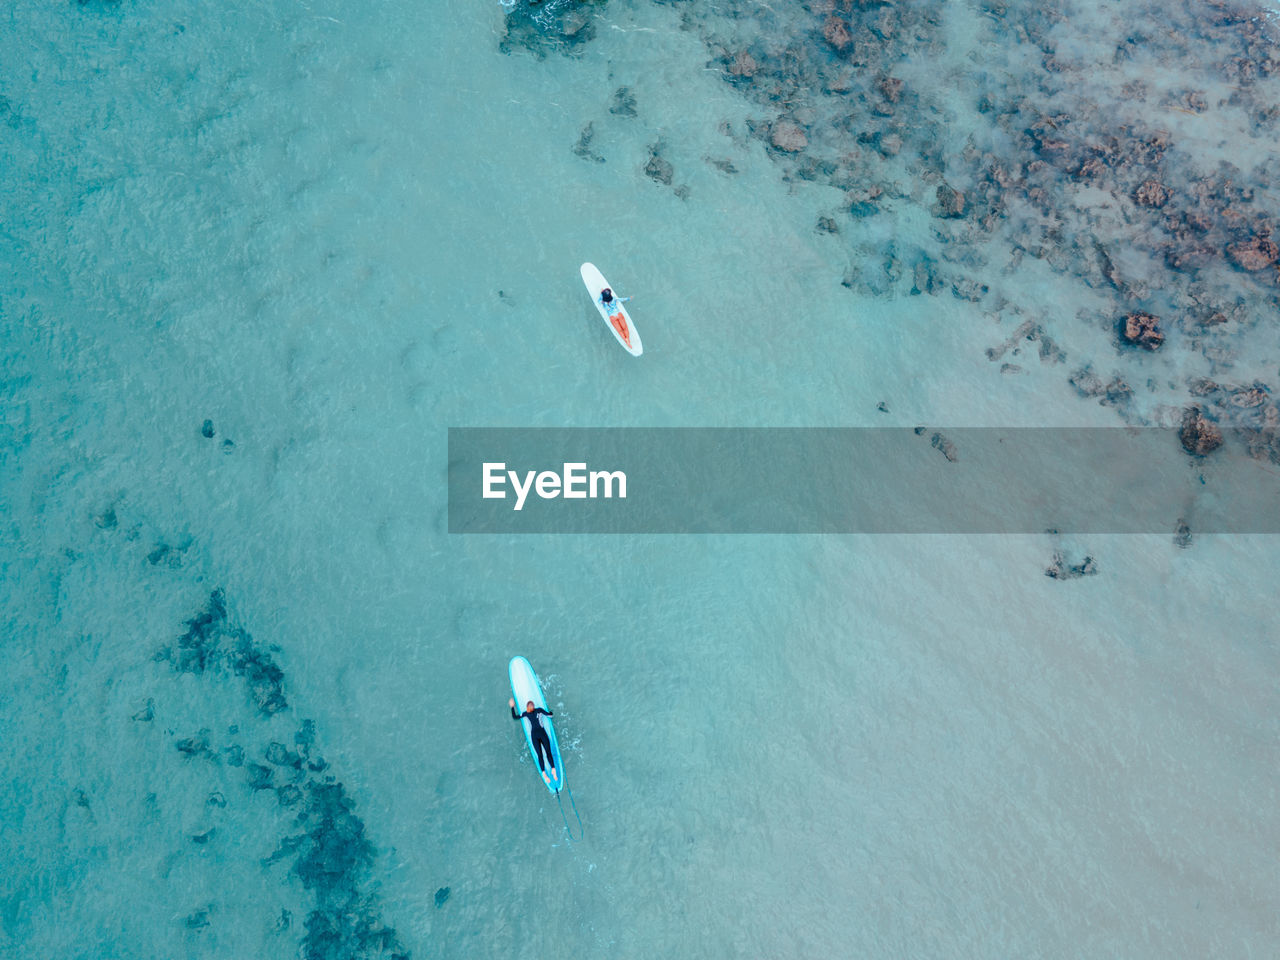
[[616, 319]]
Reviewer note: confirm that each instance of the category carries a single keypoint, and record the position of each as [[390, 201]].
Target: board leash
[[574, 807]]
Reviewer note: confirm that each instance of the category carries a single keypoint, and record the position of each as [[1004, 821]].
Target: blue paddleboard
[[525, 687]]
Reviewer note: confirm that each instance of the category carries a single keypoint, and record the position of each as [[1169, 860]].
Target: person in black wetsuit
[[541, 742]]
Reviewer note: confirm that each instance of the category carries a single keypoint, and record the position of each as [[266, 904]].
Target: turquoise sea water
[[254, 692]]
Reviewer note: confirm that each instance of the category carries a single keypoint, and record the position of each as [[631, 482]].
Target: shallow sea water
[[335, 230]]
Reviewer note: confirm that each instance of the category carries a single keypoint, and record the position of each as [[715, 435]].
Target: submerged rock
[[305, 737], [969, 290], [944, 446], [1253, 255], [1117, 392], [924, 277], [889, 145], [623, 103], [1247, 398], [744, 66], [202, 647], [787, 135], [1142, 330], [281, 756], [1060, 569], [837, 34], [657, 169], [1198, 434], [890, 88], [951, 203], [288, 795], [335, 851], [194, 746], [333, 857], [575, 21], [1151, 193], [266, 680], [583, 149], [1086, 382], [259, 776], [544, 27]]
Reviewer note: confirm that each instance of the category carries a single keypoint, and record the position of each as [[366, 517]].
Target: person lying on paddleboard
[[541, 742], [609, 300]]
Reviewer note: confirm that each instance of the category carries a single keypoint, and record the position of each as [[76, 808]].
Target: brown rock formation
[[787, 135], [1249, 397], [1199, 434], [837, 34], [1142, 330], [1256, 254], [1151, 193], [744, 65], [890, 88], [950, 202]]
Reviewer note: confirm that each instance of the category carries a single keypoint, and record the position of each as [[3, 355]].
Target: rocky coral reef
[[1061, 569], [1125, 150], [211, 642], [548, 26], [328, 850]]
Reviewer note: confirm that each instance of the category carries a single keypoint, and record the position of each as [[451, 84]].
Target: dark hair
[[606, 294]]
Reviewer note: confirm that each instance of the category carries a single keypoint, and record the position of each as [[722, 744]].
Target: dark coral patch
[[333, 856], [211, 641]]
